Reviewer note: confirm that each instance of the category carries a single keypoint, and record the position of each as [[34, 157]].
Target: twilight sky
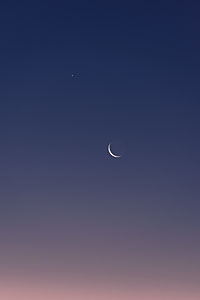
[[76, 223]]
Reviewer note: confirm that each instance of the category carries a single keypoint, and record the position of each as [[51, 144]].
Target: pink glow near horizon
[[47, 291]]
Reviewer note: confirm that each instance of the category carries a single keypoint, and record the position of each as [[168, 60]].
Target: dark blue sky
[[136, 80]]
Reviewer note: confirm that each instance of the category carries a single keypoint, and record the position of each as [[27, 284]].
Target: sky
[[76, 223]]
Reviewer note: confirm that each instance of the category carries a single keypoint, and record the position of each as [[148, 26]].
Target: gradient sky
[[76, 223]]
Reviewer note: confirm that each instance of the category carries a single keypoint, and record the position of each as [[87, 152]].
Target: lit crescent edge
[[113, 155]]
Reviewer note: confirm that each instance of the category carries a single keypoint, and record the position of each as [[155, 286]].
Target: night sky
[[76, 223]]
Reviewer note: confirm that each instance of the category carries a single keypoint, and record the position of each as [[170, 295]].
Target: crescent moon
[[113, 155]]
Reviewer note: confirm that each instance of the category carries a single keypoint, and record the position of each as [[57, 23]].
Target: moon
[[110, 152]]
